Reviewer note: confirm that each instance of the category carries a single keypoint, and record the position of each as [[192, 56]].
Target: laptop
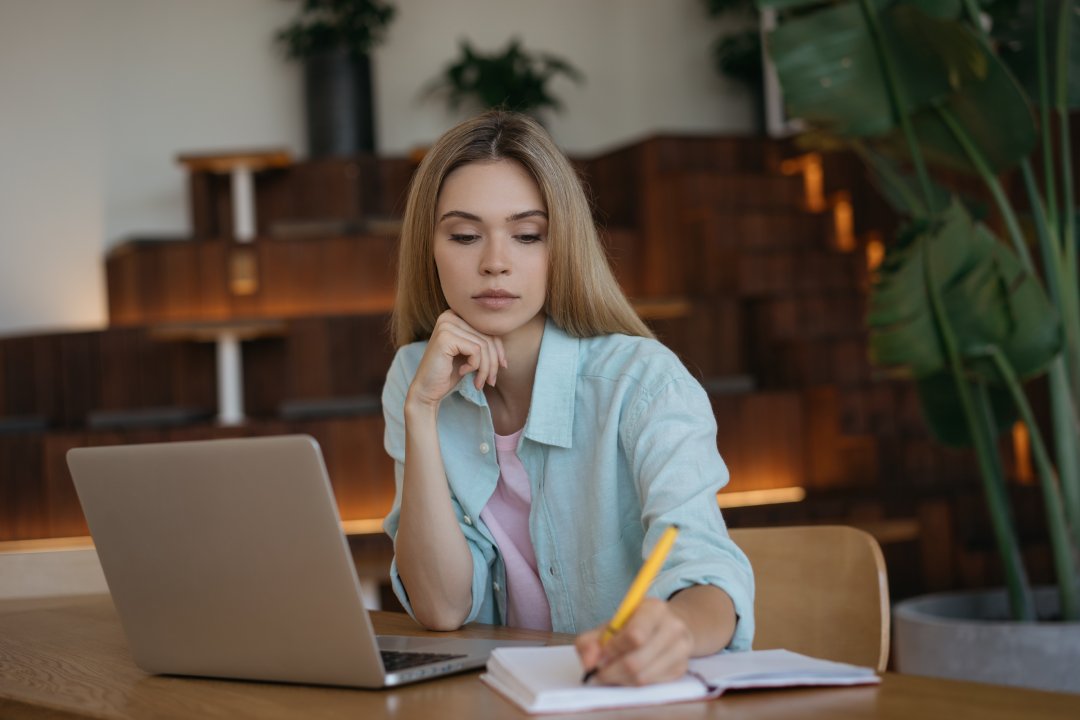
[[225, 558]]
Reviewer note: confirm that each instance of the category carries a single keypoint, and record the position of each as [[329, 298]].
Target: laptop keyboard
[[393, 660]]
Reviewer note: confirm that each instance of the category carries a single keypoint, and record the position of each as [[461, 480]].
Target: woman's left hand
[[653, 646]]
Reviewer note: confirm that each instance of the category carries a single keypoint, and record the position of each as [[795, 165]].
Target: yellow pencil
[[638, 588]]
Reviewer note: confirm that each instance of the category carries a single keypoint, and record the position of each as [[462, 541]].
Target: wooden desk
[[67, 658]]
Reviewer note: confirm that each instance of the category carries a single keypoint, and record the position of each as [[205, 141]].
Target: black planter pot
[[338, 104]]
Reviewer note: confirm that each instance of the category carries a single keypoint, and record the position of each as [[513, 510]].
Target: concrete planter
[[957, 635], [338, 103]]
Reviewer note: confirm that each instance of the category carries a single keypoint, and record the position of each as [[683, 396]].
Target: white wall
[[97, 97], [647, 67]]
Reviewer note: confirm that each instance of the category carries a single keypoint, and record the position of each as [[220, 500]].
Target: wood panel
[[62, 379], [342, 355], [709, 339], [38, 500], [343, 193], [760, 437], [178, 281]]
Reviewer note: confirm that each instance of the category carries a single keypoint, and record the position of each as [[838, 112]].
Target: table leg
[[243, 202], [230, 377]]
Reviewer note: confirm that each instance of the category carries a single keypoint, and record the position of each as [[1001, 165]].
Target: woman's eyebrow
[[527, 214], [460, 214], [476, 218]]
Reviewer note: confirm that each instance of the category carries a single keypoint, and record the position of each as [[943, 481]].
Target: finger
[[487, 362], [637, 630], [497, 359], [588, 648], [662, 655], [657, 660], [463, 344], [502, 352]]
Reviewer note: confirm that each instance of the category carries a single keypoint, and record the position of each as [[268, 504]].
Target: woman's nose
[[494, 260]]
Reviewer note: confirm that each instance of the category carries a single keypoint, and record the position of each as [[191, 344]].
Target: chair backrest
[[821, 591], [50, 573]]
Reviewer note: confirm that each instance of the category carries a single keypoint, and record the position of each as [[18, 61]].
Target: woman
[[542, 439]]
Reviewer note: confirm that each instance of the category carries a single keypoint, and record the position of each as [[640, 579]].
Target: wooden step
[[743, 192]]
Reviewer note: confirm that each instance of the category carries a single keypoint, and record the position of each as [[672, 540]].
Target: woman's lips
[[495, 299]]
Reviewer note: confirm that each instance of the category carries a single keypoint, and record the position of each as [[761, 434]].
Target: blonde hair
[[583, 297]]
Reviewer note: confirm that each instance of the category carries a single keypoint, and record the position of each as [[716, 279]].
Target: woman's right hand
[[454, 350]]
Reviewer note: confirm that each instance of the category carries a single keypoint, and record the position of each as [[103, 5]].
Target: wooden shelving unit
[[749, 278]]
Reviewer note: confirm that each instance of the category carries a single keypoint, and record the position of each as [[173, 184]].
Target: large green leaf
[[900, 190], [944, 412], [832, 78], [989, 104], [988, 299], [1014, 28], [987, 296]]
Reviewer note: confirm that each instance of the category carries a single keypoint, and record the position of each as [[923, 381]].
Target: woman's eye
[[463, 238], [529, 238]]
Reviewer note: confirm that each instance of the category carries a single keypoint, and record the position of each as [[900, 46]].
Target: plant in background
[[332, 40], [919, 85], [514, 78], [323, 25], [738, 54]]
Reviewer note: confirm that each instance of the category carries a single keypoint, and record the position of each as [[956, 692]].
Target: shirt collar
[[551, 409]]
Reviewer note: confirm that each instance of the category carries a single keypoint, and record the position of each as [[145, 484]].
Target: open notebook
[[548, 679]]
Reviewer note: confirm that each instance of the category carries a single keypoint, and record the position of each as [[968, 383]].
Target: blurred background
[[199, 206]]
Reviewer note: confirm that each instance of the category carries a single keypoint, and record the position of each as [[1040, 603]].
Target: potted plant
[[917, 88], [737, 54], [333, 39], [513, 78]]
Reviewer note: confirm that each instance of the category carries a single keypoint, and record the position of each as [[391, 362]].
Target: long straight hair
[[583, 297]]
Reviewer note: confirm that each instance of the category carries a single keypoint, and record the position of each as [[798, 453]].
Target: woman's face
[[491, 246]]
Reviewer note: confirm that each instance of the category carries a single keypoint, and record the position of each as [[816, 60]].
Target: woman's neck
[[509, 400]]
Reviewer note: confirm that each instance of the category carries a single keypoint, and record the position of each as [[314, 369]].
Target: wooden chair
[[821, 591]]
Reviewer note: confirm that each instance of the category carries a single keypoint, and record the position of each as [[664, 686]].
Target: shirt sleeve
[[397, 384], [670, 437]]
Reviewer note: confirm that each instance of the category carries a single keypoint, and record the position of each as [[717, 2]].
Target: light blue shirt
[[620, 442]]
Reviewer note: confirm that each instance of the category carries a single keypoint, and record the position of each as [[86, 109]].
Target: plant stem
[[1020, 598], [983, 168], [898, 100], [975, 17], [1063, 415], [1051, 258], [1044, 115], [1064, 551], [1070, 303]]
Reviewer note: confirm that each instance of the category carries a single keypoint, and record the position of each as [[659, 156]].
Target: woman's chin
[[499, 325]]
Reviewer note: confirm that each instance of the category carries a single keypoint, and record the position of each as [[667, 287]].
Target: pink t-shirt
[[507, 516]]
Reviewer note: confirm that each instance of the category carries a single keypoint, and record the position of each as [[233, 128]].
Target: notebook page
[[548, 679], [776, 668]]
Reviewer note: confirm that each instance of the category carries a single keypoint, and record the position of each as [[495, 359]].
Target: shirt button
[[484, 448], [467, 519], [495, 586]]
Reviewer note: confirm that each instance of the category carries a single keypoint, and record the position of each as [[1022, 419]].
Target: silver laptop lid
[[225, 558]]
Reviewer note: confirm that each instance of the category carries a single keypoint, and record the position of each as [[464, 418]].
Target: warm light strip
[[369, 526], [772, 496], [46, 544]]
